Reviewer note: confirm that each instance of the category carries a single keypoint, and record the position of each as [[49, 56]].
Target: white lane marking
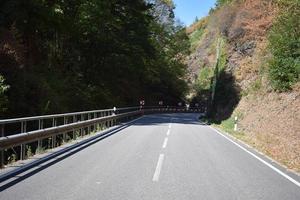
[[258, 158], [158, 168], [98, 182], [165, 143], [170, 124], [168, 132]]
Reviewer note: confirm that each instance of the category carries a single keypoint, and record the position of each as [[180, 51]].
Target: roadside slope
[[268, 120]]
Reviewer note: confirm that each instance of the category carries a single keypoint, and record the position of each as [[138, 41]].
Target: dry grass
[[201, 24], [254, 18], [271, 123]]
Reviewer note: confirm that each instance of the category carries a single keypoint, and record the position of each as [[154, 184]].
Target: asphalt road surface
[[158, 157]]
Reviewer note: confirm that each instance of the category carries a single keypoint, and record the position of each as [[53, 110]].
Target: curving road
[[158, 157]]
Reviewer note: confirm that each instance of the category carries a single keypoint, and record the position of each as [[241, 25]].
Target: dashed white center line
[[170, 125], [165, 143], [158, 168], [168, 132]]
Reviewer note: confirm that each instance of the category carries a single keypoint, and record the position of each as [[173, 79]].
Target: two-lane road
[[158, 157]]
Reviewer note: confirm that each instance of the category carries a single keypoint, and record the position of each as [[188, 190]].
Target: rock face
[[270, 120], [246, 48]]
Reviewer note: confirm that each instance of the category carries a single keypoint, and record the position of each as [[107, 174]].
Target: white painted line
[[258, 158], [158, 168], [170, 125], [165, 143], [168, 132]]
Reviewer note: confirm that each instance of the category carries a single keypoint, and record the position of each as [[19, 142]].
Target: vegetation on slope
[[87, 54], [234, 25], [3, 98], [284, 43], [260, 80]]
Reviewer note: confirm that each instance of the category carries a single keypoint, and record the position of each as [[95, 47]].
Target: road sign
[[187, 106]]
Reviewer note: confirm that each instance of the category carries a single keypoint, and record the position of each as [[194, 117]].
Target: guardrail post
[[74, 134], [95, 125], [22, 147], [40, 143], [110, 121], [2, 151], [114, 113], [53, 137], [65, 134], [81, 119], [89, 126]]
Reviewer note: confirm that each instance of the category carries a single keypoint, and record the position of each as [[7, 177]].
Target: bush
[[222, 2], [3, 98], [284, 44], [195, 38], [204, 79]]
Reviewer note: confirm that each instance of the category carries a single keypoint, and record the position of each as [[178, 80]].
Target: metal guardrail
[[70, 123], [93, 112], [37, 128], [171, 109]]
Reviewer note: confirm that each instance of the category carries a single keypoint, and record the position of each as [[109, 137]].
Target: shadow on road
[[52, 159], [11, 178], [165, 119]]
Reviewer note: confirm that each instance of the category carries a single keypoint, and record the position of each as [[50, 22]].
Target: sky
[[188, 10]]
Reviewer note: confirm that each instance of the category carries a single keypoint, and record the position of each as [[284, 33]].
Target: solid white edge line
[[260, 159], [165, 143], [158, 168]]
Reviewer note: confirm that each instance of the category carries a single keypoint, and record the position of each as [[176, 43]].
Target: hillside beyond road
[[167, 157]]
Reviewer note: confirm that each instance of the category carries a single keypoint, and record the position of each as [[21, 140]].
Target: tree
[[88, 54], [3, 98]]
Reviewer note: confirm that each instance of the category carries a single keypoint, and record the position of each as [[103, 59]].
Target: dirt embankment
[[270, 121]]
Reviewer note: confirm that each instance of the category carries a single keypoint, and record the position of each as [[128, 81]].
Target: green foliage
[[228, 126], [197, 31], [204, 79], [284, 43], [195, 37], [222, 61], [29, 152], [89, 54], [3, 97], [253, 88], [222, 2], [40, 150], [12, 159]]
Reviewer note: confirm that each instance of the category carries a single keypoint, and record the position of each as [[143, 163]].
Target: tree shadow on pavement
[[14, 177]]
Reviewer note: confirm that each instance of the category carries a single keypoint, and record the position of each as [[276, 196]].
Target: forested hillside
[[255, 77], [242, 60], [60, 56]]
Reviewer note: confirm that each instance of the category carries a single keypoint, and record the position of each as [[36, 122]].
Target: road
[[158, 157]]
